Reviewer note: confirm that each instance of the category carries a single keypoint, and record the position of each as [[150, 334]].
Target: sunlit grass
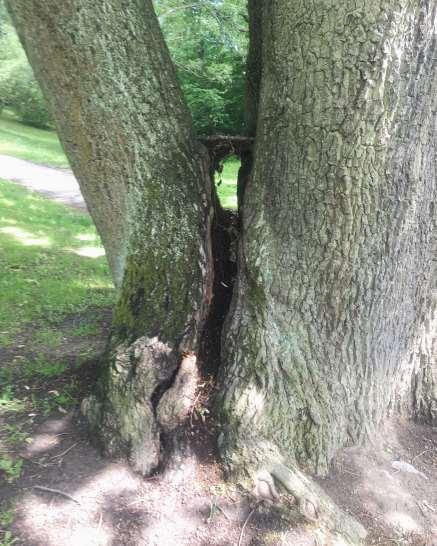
[[37, 145], [43, 147], [25, 237], [227, 183], [44, 271]]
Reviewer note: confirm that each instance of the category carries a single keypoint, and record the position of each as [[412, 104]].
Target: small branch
[[240, 540], [65, 452], [221, 146], [223, 512], [56, 492]]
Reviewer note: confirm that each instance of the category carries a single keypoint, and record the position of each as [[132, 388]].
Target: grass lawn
[[29, 143], [51, 261], [227, 183], [55, 299], [43, 147]]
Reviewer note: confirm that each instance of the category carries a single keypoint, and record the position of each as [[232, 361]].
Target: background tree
[[208, 43], [19, 90], [331, 323], [207, 40]]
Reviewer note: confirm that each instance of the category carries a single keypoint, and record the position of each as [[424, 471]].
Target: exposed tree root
[[122, 414], [311, 502], [261, 462], [315, 506]]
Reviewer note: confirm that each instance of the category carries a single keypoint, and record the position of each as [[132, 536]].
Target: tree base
[[147, 390], [261, 464]]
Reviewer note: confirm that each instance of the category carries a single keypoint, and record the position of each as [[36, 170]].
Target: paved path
[[58, 184]]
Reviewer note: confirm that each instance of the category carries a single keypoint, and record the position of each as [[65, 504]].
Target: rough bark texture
[[424, 387], [109, 80], [338, 235], [333, 315], [254, 67]]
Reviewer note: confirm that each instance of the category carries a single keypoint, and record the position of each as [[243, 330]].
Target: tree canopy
[[208, 43], [207, 40]]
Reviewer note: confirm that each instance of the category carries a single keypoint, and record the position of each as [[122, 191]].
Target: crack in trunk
[[224, 237], [174, 398]]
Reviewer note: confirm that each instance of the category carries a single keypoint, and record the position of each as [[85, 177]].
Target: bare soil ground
[[96, 501]]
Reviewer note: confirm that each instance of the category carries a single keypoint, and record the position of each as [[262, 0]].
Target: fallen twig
[[56, 492], [64, 452], [420, 454], [223, 512], [240, 540]]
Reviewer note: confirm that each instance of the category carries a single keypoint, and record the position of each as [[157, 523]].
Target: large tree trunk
[[332, 319], [109, 80], [338, 237]]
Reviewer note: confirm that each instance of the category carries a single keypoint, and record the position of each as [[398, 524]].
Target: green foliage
[[85, 329], [26, 99], [15, 436], [48, 337], [8, 402], [208, 43], [18, 87], [11, 468], [8, 539], [6, 515], [43, 368], [227, 183], [55, 400], [207, 40]]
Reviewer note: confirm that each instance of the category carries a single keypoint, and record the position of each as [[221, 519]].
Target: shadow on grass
[[51, 260]]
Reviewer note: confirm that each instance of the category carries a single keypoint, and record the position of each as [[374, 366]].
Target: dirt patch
[[391, 485], [65, 493], [114, 506]]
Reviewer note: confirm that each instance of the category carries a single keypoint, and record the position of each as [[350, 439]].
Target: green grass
[[11, 468], [48, 337], [15, 436], [8, 539], [8, 402], [6, 515], [29, 143], [227, 183], [51, 264], [85, 329], [43, 147], [41, 367]]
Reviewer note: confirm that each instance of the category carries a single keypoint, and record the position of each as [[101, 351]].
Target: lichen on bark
[[337, 240], [146, 180]]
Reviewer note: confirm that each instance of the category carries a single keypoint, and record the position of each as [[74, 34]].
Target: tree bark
[[332, 321], [332, 298], [127, 132]]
